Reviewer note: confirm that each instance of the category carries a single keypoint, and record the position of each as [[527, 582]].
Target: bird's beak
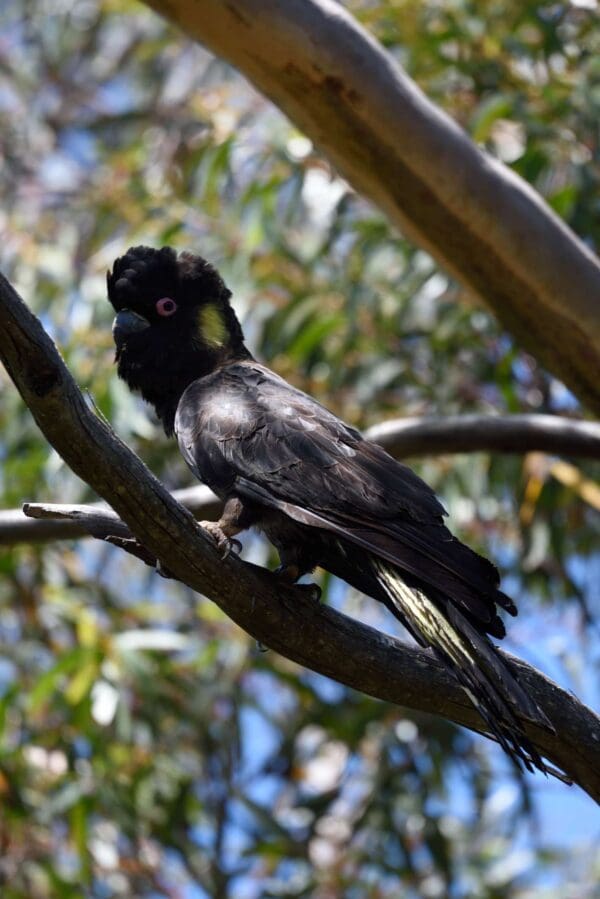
[[127, 323]]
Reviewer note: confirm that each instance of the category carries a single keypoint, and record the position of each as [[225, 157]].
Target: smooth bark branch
[[484, 224], [16, 527], [501, 434], [401, 437], [278, 616]]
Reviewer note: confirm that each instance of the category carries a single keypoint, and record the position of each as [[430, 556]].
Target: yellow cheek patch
[[211, 326]]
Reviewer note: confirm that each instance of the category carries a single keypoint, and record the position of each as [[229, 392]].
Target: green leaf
[[497, 106], [52, 680]]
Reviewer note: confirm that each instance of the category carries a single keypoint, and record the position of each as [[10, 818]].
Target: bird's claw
[[232, 546], [225, 544]]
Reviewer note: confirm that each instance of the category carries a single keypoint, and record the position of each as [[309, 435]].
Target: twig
[[16, 527]]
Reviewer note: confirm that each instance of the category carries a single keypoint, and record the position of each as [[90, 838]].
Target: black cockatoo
[[322, 494]]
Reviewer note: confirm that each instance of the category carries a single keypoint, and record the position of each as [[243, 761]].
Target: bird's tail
[[485, 676]]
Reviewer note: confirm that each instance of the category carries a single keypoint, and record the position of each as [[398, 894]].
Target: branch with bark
[[551, 434], [401, 437], [481, 221], [278, 616]]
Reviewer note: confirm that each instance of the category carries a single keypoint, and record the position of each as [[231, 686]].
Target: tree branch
[[400, 437], [104, 524], [277, 615], [16, 527], [502, 433], [481, 221]]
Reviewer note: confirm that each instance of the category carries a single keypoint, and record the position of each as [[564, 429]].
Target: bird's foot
[[225, 543], [290, 574]]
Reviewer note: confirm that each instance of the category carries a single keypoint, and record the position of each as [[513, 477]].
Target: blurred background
[[148, 748]]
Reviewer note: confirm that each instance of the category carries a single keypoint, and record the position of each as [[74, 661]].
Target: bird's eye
[[166, 306]]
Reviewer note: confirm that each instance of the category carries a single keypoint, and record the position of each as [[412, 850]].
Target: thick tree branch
[[278, 616], [481, 221], [104, 524], [401, 437]]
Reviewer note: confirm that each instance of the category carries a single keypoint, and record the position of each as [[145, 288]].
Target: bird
[[322, 494]]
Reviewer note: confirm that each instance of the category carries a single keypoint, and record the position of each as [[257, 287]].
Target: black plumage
[[321, 493]]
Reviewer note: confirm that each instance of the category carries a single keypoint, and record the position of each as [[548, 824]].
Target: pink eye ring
[[166, 306]]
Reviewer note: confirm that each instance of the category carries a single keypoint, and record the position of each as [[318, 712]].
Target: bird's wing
[[246, 429], [280, 438]]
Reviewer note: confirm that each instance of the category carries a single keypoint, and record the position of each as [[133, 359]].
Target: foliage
[[147, 747]]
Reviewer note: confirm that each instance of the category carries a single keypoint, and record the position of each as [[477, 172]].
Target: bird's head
[[173, 323]]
